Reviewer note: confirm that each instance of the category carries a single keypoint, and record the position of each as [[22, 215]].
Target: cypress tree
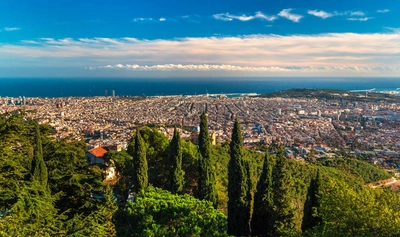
[[311, 217], [206, 183], [238, 187], [283, 212], [176, 172], [140, 169], [131, 147], [39, 167], [263, 202]]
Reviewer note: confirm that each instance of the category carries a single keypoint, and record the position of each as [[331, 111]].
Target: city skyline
[[199, 39]]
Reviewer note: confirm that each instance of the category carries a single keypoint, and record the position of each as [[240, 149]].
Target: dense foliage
[[357, 168], [43, 192], [48, 189], [157, 212]]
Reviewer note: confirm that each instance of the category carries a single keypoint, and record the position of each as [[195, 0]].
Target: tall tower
[[113, 93], [105, 93]]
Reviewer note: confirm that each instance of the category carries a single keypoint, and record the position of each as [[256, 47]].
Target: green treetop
[[206, 184], [263, 200], [283, 213], [311, 217], [140, 169], [238, 187], [40, 170], [176, 172]]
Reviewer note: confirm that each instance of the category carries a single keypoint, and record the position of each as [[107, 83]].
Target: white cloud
[[392, 29], [141, 19], [359, 19], [254, 53], [191, 18], [230, 17], [11, 28], [321, 14], [261, 15], [383, 11], [162, 19], [234, 68], [357, 13], [286, 14], [190, 67]]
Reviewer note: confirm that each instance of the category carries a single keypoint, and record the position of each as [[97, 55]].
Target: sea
[[87, 87]]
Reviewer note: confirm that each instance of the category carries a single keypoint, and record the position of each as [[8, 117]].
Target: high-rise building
[[105, 92], [113, 93]]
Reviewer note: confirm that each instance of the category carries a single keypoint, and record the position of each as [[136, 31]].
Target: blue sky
[[199, 38]]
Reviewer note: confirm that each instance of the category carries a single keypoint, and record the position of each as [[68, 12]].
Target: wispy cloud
[[234, 68], [352, 15], [321, 14], [357, 13], [254, 53], [11, 28], [190, 67], [191, 18], [230, 17], [290, 16], [162, 19], [393, 30], [359, 19], [383, 11], [142, 19], [261, 15]]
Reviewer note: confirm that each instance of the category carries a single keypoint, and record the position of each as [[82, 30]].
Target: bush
[[156, 212]]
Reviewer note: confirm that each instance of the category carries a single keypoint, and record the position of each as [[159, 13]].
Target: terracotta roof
[[98, 151]]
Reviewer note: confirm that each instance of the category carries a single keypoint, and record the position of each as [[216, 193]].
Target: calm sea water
[[62, 87]]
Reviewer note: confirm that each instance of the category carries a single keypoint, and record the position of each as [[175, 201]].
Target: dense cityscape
[[302, 125]]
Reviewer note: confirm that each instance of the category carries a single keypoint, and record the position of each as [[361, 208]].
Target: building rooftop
[[98, 151]]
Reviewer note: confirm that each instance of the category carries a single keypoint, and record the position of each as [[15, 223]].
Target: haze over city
[[199, 38]]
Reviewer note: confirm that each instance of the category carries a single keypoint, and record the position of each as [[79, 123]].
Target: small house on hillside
[[95, 155]]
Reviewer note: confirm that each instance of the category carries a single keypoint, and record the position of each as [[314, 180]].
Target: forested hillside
[[181, 189]]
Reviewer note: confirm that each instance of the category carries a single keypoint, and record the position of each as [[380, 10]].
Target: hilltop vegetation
[[332, 94], [46, 189], [357, 169]]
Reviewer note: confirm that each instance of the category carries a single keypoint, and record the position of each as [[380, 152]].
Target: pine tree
[[283, 212], [311, 217], [39, 168], [238, 187], [140, 169], [206, 183], [177, 174], [263, 202]]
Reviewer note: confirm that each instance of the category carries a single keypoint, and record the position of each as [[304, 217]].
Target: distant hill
[[332, 94], [357, 169]]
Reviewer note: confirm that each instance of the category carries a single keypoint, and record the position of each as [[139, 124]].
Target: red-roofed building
[[95, 155]]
